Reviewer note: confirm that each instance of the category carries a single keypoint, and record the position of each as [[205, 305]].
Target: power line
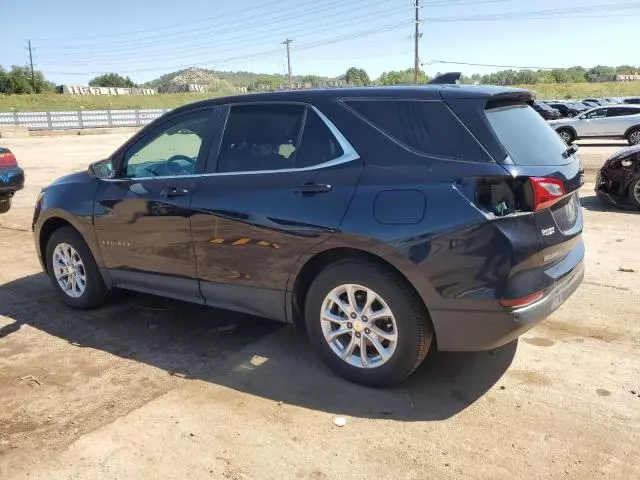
[[235, 41], [164, 27], [261, 21], [364, 33], [552, 12], [432, 62], [228, 26]]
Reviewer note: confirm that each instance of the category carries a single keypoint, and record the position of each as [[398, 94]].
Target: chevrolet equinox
[[381, 220]]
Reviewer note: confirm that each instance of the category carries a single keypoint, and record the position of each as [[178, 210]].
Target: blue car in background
[[11, 178]]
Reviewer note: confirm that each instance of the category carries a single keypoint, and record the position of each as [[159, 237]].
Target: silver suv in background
[[610, 121]]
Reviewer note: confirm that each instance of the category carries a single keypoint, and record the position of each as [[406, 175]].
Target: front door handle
[[172, 192], [313, 188]]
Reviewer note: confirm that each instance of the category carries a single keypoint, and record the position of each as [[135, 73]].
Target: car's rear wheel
[[368, 325], [634, 192], [633, 137], [73, 270], [567, 135], [5, 205]]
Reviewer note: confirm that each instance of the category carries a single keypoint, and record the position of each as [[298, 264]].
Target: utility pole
[[33, 78], [287, 42], [416, 66]]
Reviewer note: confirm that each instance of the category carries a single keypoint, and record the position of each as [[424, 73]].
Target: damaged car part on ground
[[381, 220], [618, 181], [11, 178]]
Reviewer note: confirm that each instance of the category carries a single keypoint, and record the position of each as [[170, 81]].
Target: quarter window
[[260, 137], [318, 143], [171, 152], [427, 127]]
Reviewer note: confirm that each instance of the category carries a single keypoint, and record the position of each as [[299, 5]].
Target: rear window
[[427, 127], [526, 136]]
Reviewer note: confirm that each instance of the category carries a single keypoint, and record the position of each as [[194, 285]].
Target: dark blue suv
[[381, 220]]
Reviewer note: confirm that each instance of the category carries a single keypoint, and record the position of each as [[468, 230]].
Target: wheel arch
[[314, 264], [47, 229], [631, 129], [55, 219], [568, 127]]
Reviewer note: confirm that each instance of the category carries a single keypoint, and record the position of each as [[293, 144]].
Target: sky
[[75, 40]]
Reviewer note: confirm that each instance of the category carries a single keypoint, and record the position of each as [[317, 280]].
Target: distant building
[[89, 90], [628, 78]]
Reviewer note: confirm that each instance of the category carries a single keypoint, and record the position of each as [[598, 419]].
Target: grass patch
[[562, 91], [57, 102], [54, 102]]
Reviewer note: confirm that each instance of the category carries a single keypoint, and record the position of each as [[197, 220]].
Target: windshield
[[526, 136]]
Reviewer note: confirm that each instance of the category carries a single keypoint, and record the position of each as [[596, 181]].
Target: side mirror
[[582, 117], [102, 169]]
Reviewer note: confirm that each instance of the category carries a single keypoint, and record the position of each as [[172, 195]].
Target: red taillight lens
[[521, 302], [546, 191], [7, 159]]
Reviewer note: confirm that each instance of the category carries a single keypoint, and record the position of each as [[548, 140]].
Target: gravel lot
[[147, 388]]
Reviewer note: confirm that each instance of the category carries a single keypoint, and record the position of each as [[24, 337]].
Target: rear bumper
[[11, 180], [458, 330]]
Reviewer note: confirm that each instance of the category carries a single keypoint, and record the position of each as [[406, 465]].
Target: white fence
[[80, 118]]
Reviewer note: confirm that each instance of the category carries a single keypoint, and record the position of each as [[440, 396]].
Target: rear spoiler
[[449, 78]]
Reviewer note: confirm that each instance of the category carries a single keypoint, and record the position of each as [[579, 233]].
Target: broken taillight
[[546, 192]]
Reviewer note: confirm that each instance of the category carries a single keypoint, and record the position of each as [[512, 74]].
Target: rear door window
[[527, 138], [260, 137], [424, 126]]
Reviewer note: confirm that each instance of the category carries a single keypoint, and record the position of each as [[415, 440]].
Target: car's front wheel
[[634, 192], [368, 325], [633, 137], [5, 205], [73, 270], [567, 135]]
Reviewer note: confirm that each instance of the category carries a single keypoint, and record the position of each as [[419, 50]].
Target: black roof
[[424, 92]]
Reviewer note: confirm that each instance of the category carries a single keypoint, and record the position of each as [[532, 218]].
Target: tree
[[309, 78], [402, 77], [357, 76], [601, 72], [112, 80], [18, 80]]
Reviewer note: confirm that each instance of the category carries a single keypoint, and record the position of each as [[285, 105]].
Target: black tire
[[567, 135], [414, 328], [95, 292], [632, 195], [633, 136], [5, 205]]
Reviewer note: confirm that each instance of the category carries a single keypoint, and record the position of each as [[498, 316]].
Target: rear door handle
[[172, 192], [313, 188]]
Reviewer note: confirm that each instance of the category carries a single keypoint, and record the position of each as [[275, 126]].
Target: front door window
[[171, 152]]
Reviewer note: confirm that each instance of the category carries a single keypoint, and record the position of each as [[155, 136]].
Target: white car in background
[[610, 121]]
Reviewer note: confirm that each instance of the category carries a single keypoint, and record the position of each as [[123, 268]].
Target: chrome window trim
[[349, 155]]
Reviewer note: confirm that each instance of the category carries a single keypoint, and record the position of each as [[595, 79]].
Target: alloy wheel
[[69, 270], [566, 136], [634, 138], [636, 191], [359, 326]]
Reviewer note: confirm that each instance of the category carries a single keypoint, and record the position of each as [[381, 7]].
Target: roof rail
[[449, 78]]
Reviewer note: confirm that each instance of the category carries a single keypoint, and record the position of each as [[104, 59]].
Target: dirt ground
[[147, 388]]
